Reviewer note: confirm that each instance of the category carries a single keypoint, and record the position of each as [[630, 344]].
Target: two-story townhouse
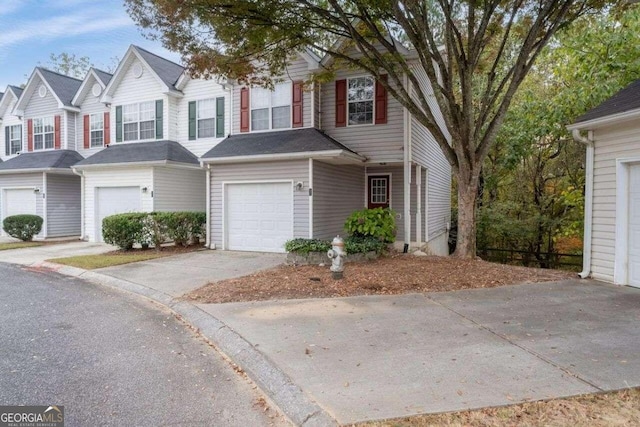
[[157, 118], [37, 178], [300, 160], [11, 125]]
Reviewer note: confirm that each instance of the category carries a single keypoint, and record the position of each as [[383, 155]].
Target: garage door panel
[[259, 216], [634, 226], [115, 200], [19, 202]]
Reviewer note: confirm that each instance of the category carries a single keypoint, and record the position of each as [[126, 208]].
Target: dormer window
[[360, 96], [43, 133], [271, 109]]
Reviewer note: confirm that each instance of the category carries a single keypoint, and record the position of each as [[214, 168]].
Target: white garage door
[[17, 202], [634, 225], [115, 200], [259, 217]]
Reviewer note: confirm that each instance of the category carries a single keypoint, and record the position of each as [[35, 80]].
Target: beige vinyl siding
[[379, 143], [63, 205], [295, 171], [298, 69], [338, 190], [114, 177], [611, 143], [132, 90], [179, 189], [397, 193], [196, 90], [42, 107], [426, 152], [9, 120], [90, 105], [23, 180]]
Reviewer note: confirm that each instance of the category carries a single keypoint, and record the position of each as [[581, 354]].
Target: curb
[[277, 385]]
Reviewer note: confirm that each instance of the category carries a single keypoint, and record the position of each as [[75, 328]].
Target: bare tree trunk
[[467, 195]]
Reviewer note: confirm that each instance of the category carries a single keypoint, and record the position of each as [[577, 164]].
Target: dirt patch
[[397, 274]]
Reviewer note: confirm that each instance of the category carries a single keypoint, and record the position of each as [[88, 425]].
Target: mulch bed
[[396, 274]]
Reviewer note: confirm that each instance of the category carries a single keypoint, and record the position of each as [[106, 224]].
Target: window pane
[[37, 125], [361, 89], [360, 113], [130, 131], [147, 111], [37, 142], [281, 95], [206, 128], [260, 119], [48, 140], [260, 98], [281, 117], [96, 121], [48, 124], [147, 130], [97, 138], [206, 109], [130, 113], [16, 138]]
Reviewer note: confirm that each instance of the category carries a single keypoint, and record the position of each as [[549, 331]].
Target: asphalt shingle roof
[[279, 142], [54, 159], [65, 87], [169, 72], [625, 100], [103, 76], [17, 90], [141, 152]]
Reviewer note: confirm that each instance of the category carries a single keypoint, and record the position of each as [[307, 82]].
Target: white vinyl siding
[[179, 190], [295, 171], [338, 190], [63, 205], [195, 90], [71, 126], [42, 107], [297, 70], [114, 177], [89, 105], [29, 181], [612, 143]]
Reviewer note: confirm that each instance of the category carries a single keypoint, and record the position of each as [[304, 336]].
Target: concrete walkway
[[39, 254]]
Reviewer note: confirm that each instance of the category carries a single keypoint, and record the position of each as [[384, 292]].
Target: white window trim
[[366, 187], [215, 117], [373, 117], [20, 136], [270, 109], [138, 121], [44, 145], [91, 116]]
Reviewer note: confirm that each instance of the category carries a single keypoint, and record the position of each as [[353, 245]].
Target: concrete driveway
[[177, 275], [380, 357], [38, 254]]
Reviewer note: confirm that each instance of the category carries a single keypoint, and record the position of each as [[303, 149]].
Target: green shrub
[[362, 245], [185, 228], [22, 227], [123, 230], [304, 246], [379, 223]]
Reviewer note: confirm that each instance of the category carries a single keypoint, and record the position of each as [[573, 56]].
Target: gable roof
[[41, 161], [12, 92], [625, 100], [296, 141], [103, 75], [141, 152], [166, 72], [100, 77], [62, 87]]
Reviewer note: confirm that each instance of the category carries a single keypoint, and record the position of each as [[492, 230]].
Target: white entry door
[[634, 226], [258, 217], [115, 200]]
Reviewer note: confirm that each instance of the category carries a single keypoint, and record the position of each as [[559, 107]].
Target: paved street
[[111, 358]]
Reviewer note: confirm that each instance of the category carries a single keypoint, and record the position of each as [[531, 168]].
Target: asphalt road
[[112, 358]]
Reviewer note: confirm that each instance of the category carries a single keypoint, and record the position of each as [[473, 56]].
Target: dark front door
[[379, 191]]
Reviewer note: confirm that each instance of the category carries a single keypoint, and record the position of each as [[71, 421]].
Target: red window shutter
[[107, 128], [298, 120], [244, 109], [30, 135], [341, 103], [87, 135], [381, 102], [56, 137]]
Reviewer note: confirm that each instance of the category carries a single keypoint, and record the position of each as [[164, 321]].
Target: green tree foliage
[[533, 177], [69, 64], [475, 54]]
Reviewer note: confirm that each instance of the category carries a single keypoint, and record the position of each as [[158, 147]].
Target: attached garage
[[258, 216], [19, 201], [115, 200]]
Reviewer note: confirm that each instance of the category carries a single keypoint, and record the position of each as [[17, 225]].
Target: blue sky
[[31, 30]]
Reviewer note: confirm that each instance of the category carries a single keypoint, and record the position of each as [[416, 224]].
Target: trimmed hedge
[[352, 245], [22, 227], [155, 228]]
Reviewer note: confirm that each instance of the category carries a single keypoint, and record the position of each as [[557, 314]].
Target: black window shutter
[[119, 123], [220, 117], [159, 124], [192, 120], [7, 141]]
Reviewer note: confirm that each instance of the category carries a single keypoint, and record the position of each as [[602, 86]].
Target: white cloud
[[10, 6]]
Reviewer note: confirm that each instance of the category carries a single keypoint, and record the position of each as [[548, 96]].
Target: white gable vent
[[96, 89], [137, 70], [42, 91]]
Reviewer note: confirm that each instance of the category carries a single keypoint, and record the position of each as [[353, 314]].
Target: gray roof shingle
[[103, 76], [279, 142], [65, 87], [169, 72], [17, 90], [141, 152], [54, 159], [625, 100]]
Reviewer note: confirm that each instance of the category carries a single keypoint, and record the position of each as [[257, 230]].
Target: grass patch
[[620, 408], [18, 245], [91, 262]]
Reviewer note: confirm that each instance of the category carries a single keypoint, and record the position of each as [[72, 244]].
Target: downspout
[[82, 184], [407, 171], [588, 201], [208, 203], [45, 215]]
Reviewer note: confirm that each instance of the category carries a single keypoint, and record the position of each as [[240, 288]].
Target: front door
[[379, 191]]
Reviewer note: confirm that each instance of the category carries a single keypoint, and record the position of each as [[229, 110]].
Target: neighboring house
[[300, 160], [612, 187], [39, 180], [10, 124], [157, 118]]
